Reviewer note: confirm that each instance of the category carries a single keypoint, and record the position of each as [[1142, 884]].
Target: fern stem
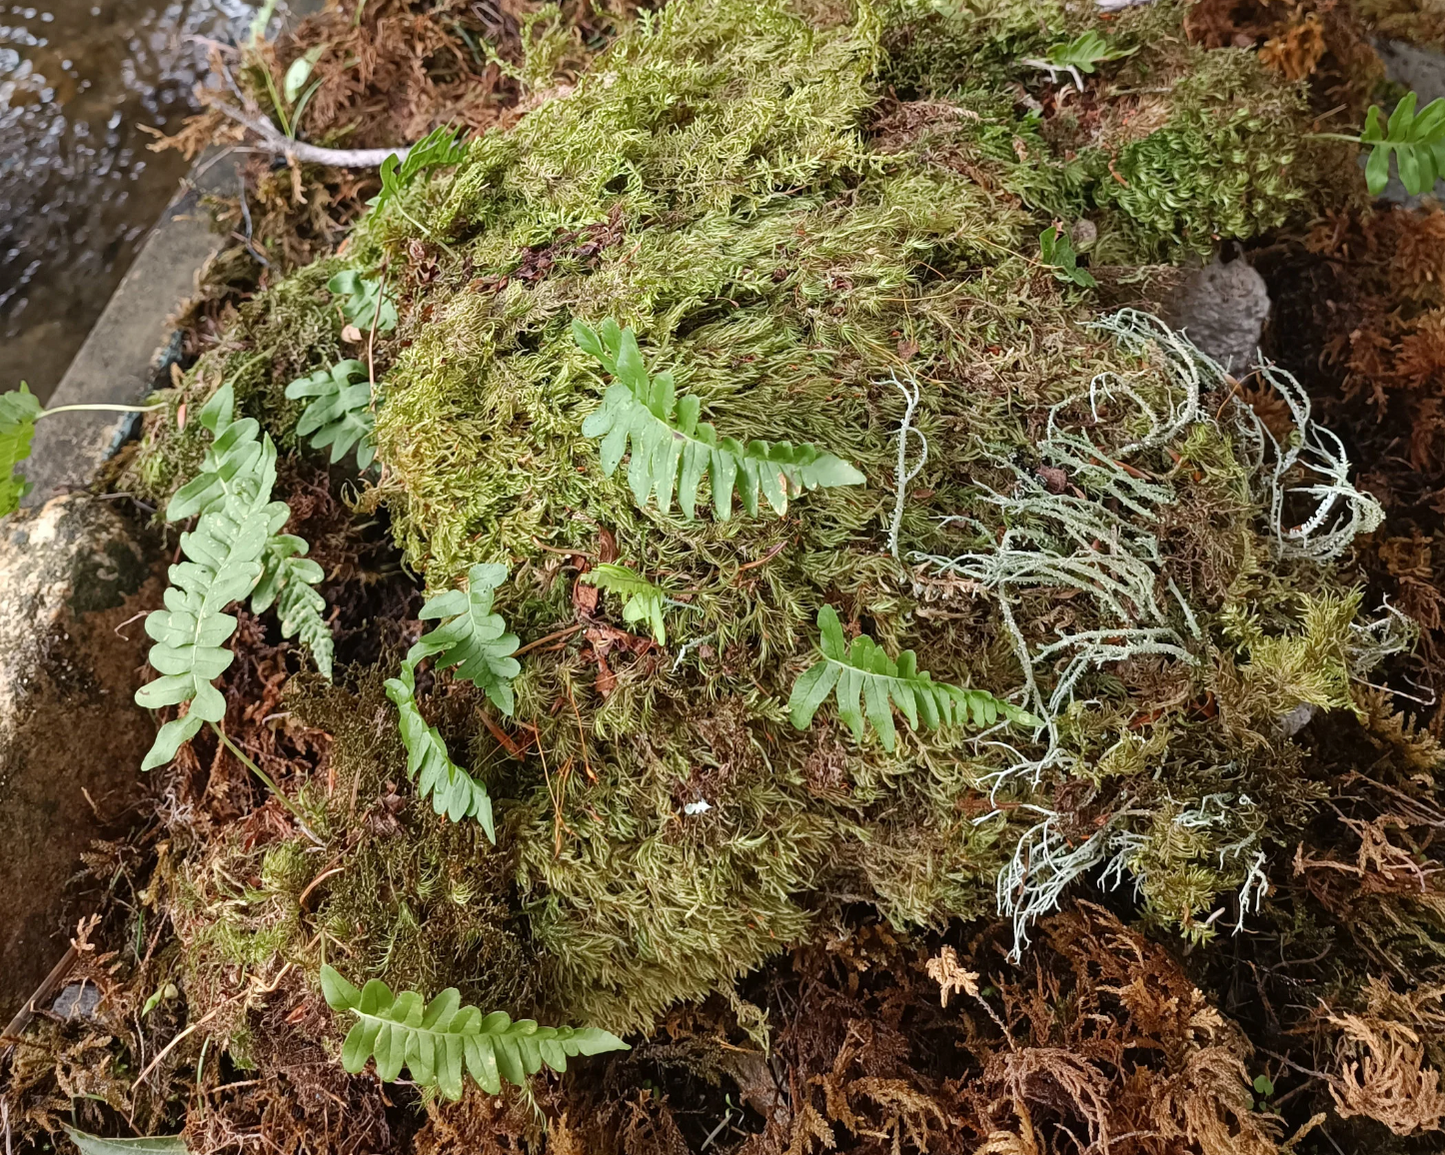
[[1333, 136], [256, 770], [98, 407]]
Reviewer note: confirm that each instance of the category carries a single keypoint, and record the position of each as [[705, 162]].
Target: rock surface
[[71, 573], [1222, 309]]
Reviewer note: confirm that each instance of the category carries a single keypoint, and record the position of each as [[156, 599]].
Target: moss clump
[[819, 262]]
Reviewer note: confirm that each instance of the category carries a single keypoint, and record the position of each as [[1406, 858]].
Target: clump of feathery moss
[[722, 182]]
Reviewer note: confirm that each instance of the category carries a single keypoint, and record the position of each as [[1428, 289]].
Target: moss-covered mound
[[824, 222], [899, 404]]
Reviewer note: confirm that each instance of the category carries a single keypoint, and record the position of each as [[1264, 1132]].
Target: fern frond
[[644, 600], [864, 671], [672, 449], [223, 564], [362, 301], [18, 412], [471, 637], [441, 146], [229, 462], [1085, 51], [339, 416], [439, 1040], [452, 790], [1418, 142], [288, 581]]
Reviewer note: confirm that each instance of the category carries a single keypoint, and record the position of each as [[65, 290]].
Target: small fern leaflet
[[288, 581], [441, 146], [439, 1040], [1418, 142], [643, 599], [19, 410], [339, 415], [230, 461], [362, 301], [471, 638], [864, 671], [672, 449], [452, 790]]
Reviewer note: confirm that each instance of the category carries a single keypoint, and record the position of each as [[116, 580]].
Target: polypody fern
[[339, 415], [865, 671], [288, 581], [475, 641], [471, 638], [643, 600], [452, 790], [672, 449], [438, 1041], [223, 564]]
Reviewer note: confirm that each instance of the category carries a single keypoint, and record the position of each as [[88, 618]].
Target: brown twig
[[552, 637], [767, 557]]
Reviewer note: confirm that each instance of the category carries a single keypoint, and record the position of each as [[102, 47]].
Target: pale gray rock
[[71, 738], [1222, 309]]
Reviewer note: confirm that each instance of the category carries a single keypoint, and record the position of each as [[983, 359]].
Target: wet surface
[[79, 82]]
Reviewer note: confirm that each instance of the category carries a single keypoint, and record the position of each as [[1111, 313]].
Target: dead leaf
[[351, 334]]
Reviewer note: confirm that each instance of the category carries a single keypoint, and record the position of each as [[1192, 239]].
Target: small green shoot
[[643, 599], [363, 302], [1058, 254], [1083, 54]]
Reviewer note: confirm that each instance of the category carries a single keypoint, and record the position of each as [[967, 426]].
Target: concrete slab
[[124, 353]]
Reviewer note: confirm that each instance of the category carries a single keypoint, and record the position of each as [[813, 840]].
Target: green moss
[[801, 251]]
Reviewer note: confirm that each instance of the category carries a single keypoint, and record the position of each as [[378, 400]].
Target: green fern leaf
[[672, 449], [864, 672], [230, 461], [18, 412], [288, 581], [362, 302], [1058, 253], [440, 1040], [223, 564], [441, 146], [452, 790], [1417, 142], [644, 600], [1085, 51], [339, 416], [471, 637]]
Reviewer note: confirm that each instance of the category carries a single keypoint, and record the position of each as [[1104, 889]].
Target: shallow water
[[79, 80]]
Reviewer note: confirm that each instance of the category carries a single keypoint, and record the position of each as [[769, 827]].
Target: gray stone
[[77, 1001], [72, 575], [1222, 309]]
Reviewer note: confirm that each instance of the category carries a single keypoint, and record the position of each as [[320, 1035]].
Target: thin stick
[[277, 142], [166, 1050], [98, 407], [256, 770], [552, 637], [767, 557]]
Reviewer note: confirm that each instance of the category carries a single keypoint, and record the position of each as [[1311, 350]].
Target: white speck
[[699, 807]]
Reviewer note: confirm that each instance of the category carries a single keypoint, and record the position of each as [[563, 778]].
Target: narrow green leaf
[[146, 1145]]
